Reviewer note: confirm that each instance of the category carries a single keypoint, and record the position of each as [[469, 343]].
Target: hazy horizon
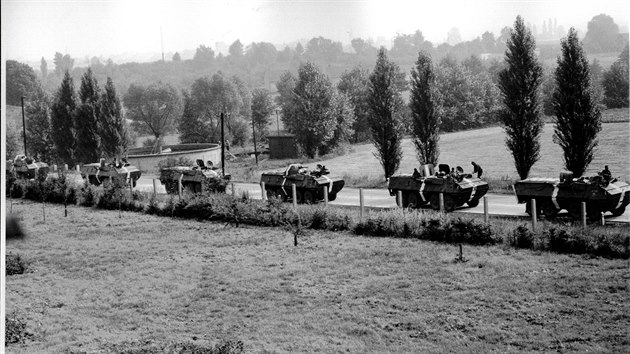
[[39, 28]]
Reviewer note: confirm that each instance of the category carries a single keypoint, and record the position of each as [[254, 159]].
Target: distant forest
[[260, 65]]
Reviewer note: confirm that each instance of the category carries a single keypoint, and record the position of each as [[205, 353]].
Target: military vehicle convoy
[[27, 168], [424, 187], [309, 184], [99, 172], [192, 178], [553, 195]]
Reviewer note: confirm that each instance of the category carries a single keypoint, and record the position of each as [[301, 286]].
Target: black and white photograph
[[352, 176]]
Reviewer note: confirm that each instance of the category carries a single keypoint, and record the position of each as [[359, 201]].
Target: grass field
[[99, 280], [487, 148]]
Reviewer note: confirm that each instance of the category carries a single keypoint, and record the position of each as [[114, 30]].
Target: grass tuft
[[15, 329], [15, 264]]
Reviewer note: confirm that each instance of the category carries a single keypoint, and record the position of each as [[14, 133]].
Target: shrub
[[113, 194], [88, 195], [563, 241], [433, 227], [15, 329], [10, 180], [14, 264], [469, 231], [153, 206], [17, 189], [319, 218], [33, 190], [522, 237]]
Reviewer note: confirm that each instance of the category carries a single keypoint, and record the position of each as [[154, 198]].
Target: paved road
[[498, 204]]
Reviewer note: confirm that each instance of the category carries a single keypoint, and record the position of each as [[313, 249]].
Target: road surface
[[498, 204]]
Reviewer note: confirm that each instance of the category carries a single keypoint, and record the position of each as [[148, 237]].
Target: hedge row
[[605, 242]]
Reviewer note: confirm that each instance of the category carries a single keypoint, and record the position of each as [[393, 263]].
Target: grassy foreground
[[108, 281]]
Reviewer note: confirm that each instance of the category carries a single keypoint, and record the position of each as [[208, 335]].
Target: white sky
[[35, 28]]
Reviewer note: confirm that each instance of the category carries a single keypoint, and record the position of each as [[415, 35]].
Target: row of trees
[[260, 64], [70, 129], [577, 115]]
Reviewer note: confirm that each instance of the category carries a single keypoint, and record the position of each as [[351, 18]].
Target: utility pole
[[254, 135], [24, 127], [162, 43], [222, 146]]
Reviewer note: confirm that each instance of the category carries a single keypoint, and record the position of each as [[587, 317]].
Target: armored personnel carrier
[[424, 187], [99, 172], [309, 184], [192, 178], [553, 195], [27, 168]]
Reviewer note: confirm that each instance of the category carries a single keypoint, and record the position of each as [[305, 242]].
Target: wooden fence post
[[534, 214], [485, 209], [361, 203], [603, 219], [399, 198], [583, 214], [155, 188], [294, 193], [325, 196], [441, 202], [179, 189], [262, 190]]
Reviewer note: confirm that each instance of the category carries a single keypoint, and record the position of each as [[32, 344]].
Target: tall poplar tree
[[87, 120], [519, 83], [578, 119], [112, 126], [38, 130], [62, 120], [385, 119], [193, 127], [262, 109], [314, 123], [422, 103]]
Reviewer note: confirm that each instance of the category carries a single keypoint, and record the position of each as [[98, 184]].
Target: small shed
[[282, 146]]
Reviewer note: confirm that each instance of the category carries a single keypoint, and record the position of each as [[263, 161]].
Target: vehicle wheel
[[434, 199], [282, 195], [412, 200], [93, 180], [196, 187], [528, 207], [449, 203], [619, 211], [593, 213], [309, 198], [134, 182], [171, 187], [332, 197], [575, 210], [271, 193], [548, 209], [473, 203]]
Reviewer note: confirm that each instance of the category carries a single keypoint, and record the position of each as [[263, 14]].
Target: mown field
[[100, 281]]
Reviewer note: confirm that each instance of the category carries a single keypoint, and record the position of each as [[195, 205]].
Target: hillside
[[487, 148]]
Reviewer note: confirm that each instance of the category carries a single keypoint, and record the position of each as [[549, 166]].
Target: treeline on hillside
[[321, 111], [260, 64]]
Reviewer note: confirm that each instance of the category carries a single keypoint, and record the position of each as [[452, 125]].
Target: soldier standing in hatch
[[606, 175], [477, 169]]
